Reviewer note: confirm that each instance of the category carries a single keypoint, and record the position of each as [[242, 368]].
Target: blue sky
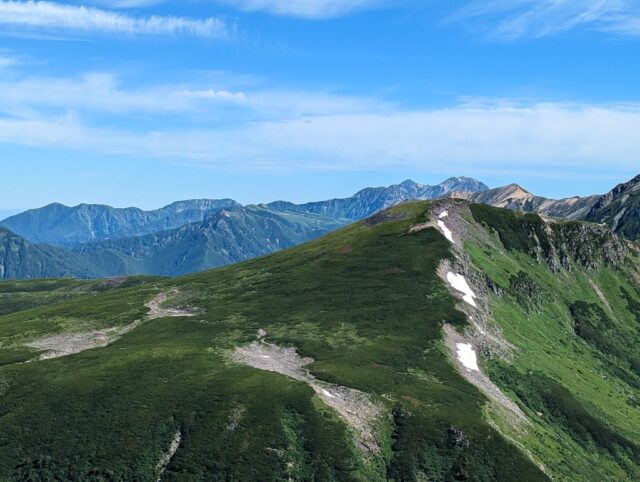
[[143, 102]]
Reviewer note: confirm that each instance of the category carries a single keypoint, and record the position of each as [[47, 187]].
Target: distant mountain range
[[619, 208], [371, 200], [93, 241], [90, 241], [71, 226], [226, 236], [516, 198]]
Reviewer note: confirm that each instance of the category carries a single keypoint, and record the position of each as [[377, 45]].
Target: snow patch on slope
[[459, 283], [446, 231], [467, 356]]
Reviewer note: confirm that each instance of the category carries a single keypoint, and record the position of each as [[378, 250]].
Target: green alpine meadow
[[433, 341]]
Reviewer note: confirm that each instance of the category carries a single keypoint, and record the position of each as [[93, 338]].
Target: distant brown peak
[[465, 195]]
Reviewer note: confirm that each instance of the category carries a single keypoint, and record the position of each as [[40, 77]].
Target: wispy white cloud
[[127, 3], [311, 9], [497, 137], [243, 124], [7, 61], [78, 19], [102, 93], [512, 19]]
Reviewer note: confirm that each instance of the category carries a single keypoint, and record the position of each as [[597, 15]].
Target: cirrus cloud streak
[[79, 19]]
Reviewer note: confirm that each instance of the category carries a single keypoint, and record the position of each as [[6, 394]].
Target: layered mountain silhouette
[[92, 241], [70, 226], [188, 236]]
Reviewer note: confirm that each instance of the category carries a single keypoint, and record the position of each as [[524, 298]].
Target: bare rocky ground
[[62, 345], [156, 309], [68, 344], [356, 408]]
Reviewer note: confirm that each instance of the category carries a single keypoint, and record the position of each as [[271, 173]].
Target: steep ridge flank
[[620, 209], [556, 325]]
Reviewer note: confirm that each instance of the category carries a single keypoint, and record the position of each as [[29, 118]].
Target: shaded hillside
[[19, 259]]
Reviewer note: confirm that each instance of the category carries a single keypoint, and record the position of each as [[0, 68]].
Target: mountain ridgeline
[[65, 226], [620, 209], [226, 236], [442, 341], [188, 236], [92, 241], [371, 200], [516, 198]]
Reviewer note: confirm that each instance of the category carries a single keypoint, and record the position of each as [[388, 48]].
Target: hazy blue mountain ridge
[[61, 225], [226, 236], [373, 199]]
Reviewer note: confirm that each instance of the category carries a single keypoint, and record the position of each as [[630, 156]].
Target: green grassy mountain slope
[[346, 358]]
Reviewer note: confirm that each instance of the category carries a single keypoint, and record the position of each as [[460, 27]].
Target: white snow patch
[[446, 231], [467, 356], [443, 214], [458, 282]]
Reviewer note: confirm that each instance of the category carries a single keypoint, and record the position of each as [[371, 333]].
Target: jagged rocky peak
[[620, 209], [464, 184]]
